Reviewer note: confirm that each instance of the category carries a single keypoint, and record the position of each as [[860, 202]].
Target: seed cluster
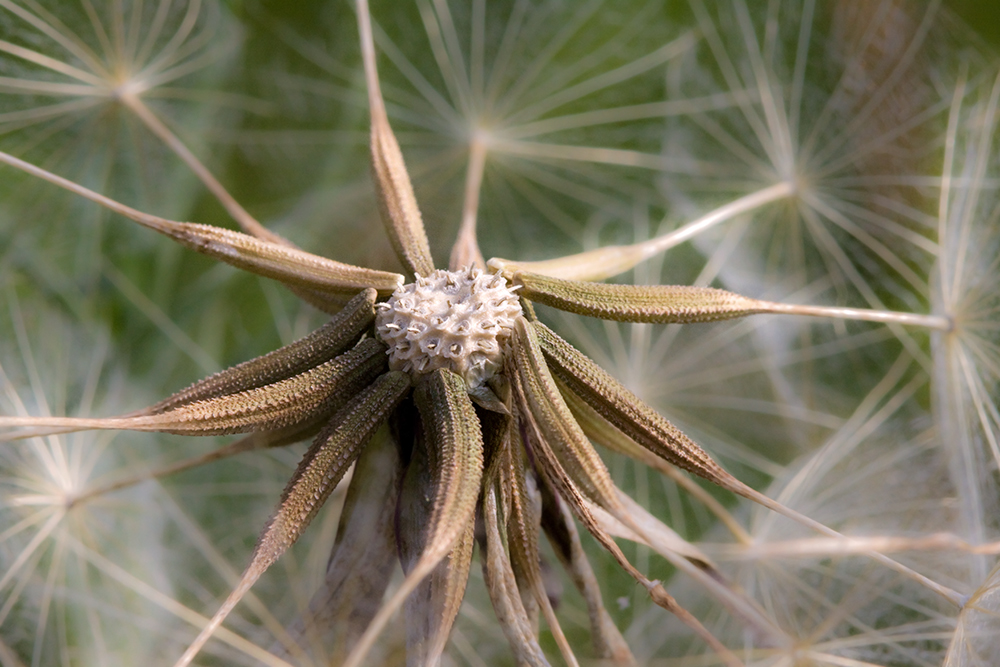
[[459, 320]]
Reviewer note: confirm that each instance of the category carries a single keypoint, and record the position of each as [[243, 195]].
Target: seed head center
[[459, 320]]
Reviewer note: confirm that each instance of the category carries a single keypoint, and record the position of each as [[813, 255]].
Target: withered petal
[[291, 266], [451, 430], [601, 431], [655, 534], [432, 607], [523, 526], [279, 405], [567, 489], [644, 527], [539, 402], [549, 464], [284, 404], [362, 560], [502, 587], [285, 263], [331, 454], [397, 204]]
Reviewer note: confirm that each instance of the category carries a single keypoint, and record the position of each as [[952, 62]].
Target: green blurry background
[[103, 317]]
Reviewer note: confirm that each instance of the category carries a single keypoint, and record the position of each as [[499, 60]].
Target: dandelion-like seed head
[[458, 320], [460, 424]]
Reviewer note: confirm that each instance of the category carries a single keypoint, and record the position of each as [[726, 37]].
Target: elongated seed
[[288, 265], [544, 404], [637, 303], [626, 411], [362, 560], [452, 429], [331, 454], [502, 588], [318, 347], [394, 192]]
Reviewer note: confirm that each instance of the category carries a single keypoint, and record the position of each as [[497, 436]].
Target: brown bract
[[514, 458]]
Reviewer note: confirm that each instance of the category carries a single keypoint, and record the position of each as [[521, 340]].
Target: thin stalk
[[828, 547], [247, 222], [466, 250], [947, 593], [110, 204], [835, 312], [612, 260]]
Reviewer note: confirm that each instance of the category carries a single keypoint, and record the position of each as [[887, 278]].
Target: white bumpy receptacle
[[459, 320]]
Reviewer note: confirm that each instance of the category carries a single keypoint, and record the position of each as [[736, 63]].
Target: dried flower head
[[458, 320], [493, 417]]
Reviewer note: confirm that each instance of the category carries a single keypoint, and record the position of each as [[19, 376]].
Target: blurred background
[[606, 123]]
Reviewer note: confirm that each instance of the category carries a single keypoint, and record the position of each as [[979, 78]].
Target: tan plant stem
[[612, 260], [466, 251], [825, 547], [835, 312]]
